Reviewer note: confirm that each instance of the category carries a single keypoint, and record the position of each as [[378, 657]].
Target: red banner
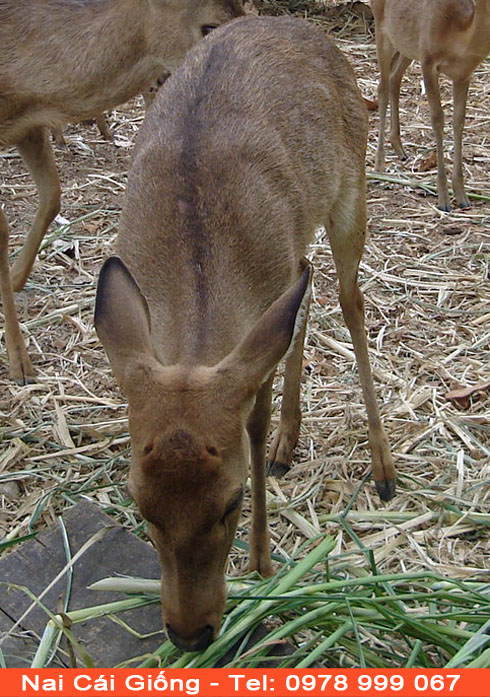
[[225, 682]]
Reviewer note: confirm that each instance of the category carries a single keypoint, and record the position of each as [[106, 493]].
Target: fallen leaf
[[462, 395], [370, 104], [93, 226], [452, 230], [428, 162]]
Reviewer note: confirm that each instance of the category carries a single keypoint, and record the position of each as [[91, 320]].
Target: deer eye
[[207, 28], [233, 505]]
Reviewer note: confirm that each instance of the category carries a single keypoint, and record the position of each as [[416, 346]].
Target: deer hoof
[[445, 209], [26, 380], [277, 469], [386, 489]]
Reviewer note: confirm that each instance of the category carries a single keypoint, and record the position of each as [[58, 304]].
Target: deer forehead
[[194, 401], [215, 428]]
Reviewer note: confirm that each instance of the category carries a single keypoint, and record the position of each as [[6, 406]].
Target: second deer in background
[[447, 36], [65, 61]]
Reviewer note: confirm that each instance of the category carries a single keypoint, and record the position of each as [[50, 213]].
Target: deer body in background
[[446, 36], [258, 139], [65, 61]]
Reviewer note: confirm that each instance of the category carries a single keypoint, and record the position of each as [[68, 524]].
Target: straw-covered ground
[[426, 280]]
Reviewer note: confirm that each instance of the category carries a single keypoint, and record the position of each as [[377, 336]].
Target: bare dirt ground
[[426, 280]]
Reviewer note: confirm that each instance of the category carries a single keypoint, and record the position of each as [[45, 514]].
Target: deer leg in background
[[21, 369], [460, 94], [58, 137], [400, 65], [386, 55], [37, 153], [431, 81], [101, 123], [105, 131]]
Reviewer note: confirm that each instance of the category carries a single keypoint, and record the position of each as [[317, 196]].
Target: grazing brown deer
[[447, 36], [66, 60], [258, 139]]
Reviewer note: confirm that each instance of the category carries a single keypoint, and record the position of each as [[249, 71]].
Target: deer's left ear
[[256, 356]]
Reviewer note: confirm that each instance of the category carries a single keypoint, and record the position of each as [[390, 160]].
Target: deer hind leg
[[346, 233], [460, 94], [38, 155], [258, 428], [399, 66], [21, 369], [431, 81], [286, 436]]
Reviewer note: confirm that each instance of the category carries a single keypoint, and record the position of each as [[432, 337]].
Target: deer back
[[243, 154]]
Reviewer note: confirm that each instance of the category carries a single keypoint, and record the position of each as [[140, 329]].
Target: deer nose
[[200, 642]]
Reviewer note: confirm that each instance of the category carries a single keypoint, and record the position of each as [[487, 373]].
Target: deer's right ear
[[122, 319], [273, 334]]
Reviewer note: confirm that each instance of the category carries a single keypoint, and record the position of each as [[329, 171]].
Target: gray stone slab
[[37, 562]]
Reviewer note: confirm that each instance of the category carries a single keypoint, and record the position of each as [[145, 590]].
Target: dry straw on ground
[[426, 280]]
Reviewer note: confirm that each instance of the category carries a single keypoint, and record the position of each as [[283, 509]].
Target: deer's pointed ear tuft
[[122, 318]]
